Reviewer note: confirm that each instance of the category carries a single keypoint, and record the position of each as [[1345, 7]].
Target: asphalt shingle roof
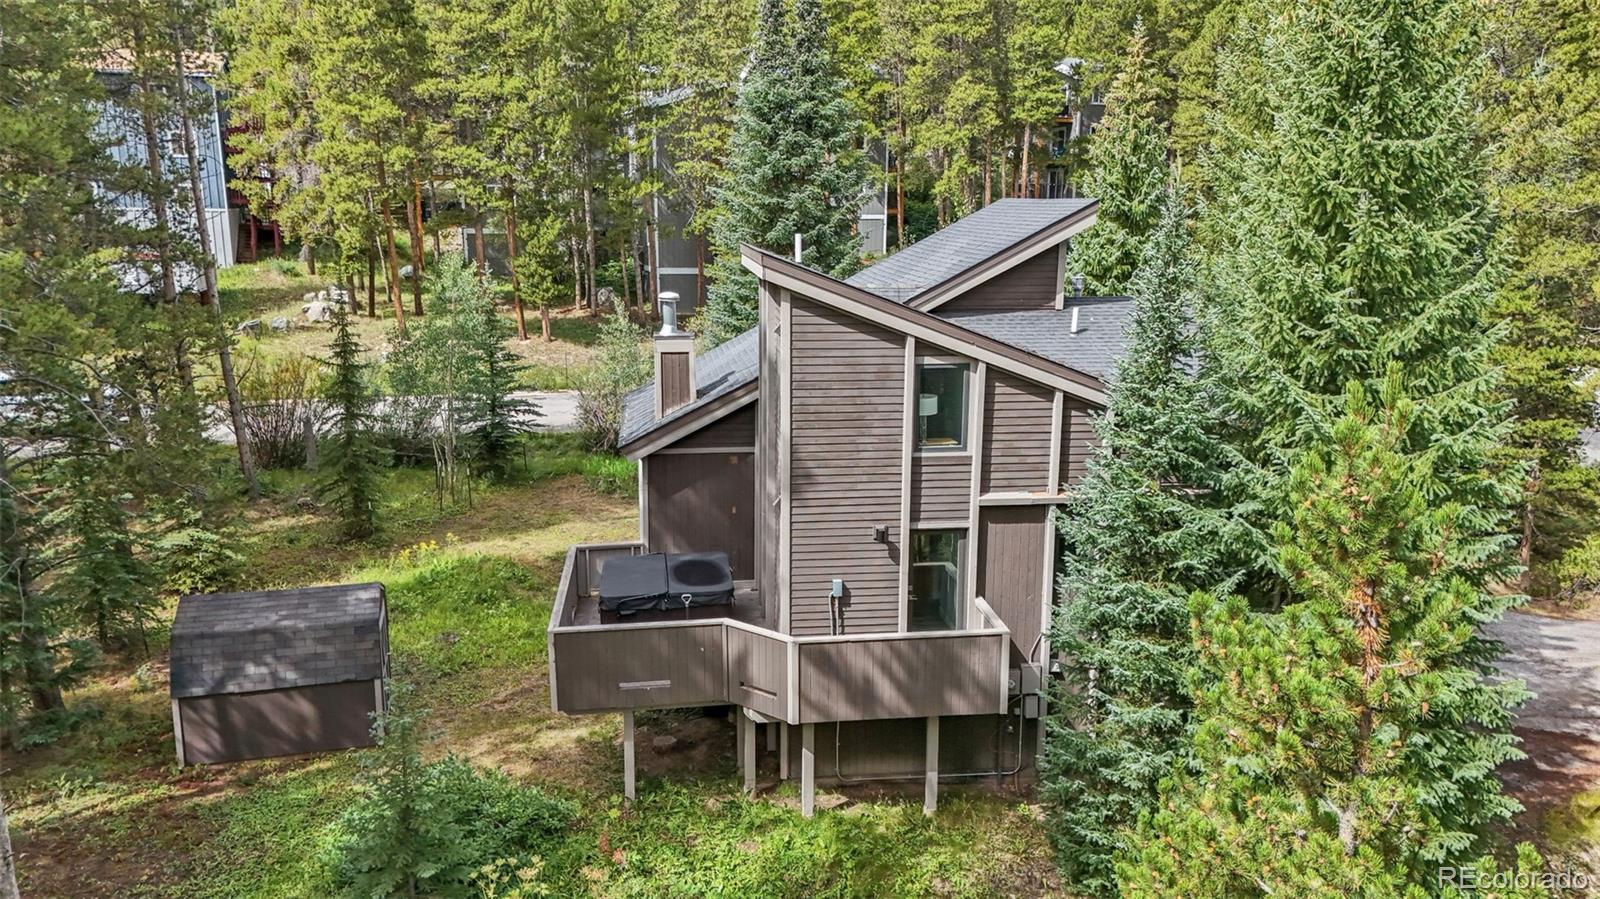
[[272, 639], [961, 245], [1103, 332], [722, 369]]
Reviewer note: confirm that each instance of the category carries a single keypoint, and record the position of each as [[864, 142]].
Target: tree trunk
[[414, 218], [588, 249], [649, 295], [372, 283], [393, 263], [350, 288], [241, 435], [8, 862], [433, 199], [1027, 145], [158, 202], [511, 257], [577, 275], [477, 250], [622, 271], [544, 323]]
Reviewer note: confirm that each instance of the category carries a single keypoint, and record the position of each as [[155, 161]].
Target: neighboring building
[[878, 458], [121, 128], [1079, 117]]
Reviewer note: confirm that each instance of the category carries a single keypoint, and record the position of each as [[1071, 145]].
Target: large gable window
[[941, 405]]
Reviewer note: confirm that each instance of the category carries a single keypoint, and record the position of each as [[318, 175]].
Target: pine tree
[[1304, 780], [1136, 542], [1541, 99], [794, 167], [498, 417], [1354, 243], [351, 483], [1127, 165]]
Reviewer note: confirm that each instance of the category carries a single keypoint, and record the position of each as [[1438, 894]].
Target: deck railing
[[711, 661]]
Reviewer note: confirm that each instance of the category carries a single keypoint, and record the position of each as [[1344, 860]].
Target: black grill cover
[[633, 583], [665, 581]]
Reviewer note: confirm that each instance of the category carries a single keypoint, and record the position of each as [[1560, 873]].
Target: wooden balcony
[[735, 655]]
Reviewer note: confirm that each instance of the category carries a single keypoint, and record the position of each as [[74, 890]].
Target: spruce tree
[[1136, 542], [1306, 780], [794, 167], [1355, 244], [1541, 99], [351, 483], [1127, 166]]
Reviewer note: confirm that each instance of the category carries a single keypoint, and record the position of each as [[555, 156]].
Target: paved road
[[558, 411], [1559, 660]]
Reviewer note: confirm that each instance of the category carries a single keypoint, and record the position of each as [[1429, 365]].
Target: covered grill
[[661, 581]]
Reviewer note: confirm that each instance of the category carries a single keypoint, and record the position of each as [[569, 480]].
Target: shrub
[[624, 364], [612, 474], [432, 828], [280, 399]]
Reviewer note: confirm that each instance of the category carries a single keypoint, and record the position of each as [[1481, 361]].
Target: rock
[[663, 743], [405, 273], [253, 326], [280, 324]]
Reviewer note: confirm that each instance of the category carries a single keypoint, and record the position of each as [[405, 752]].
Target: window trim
[[964, 447]]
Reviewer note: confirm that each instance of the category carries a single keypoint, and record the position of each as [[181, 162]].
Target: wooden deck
[[746, 608]]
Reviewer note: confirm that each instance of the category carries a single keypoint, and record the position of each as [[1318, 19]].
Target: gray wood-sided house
[[878, 458]]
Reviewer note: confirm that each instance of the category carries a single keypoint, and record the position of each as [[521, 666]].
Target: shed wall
[[232, 726]]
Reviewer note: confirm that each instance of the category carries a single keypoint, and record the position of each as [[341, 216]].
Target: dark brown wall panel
[[1028, 285], [1078, 439], [703, 502], [233, 726], [758, 669], [898, 678], [941, 487], [1016, 444], [1011, 569], [847, 404], [620, 669], [738, 429], [676, 388]]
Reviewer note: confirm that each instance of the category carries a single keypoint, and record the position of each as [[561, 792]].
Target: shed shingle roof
[[961, 245], [273, 639], [1104, 330]]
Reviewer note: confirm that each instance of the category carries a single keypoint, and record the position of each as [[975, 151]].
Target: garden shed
[[277, 672]]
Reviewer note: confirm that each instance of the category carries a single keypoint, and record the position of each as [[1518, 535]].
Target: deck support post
[[628, 790], [747, 725], [808, 769], [783, 751], [930, 787]]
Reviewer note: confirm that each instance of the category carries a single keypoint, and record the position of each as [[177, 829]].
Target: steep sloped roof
[[1102, 338], [961, 245]]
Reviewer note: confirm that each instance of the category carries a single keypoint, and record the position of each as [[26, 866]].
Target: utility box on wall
[[277, 672]]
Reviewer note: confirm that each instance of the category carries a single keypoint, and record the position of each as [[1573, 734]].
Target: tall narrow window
[[941, 405], [937, 600]]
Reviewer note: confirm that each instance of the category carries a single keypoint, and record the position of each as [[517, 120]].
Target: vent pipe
[[797, 247], [1077, 285], [669, 314], [1074, 319]]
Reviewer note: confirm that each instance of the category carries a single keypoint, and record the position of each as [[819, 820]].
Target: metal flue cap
[[669, 314]]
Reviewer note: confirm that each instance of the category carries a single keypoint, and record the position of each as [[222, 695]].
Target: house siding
[[894, 747], [941, 487], [1011, 544], [846, 406], [738, 429], [1078, 440], [1029, 285], [1016, 447], [703, 502], [674, 381]]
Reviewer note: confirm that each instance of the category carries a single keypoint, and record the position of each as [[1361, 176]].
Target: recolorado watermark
[[1470, 877]]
